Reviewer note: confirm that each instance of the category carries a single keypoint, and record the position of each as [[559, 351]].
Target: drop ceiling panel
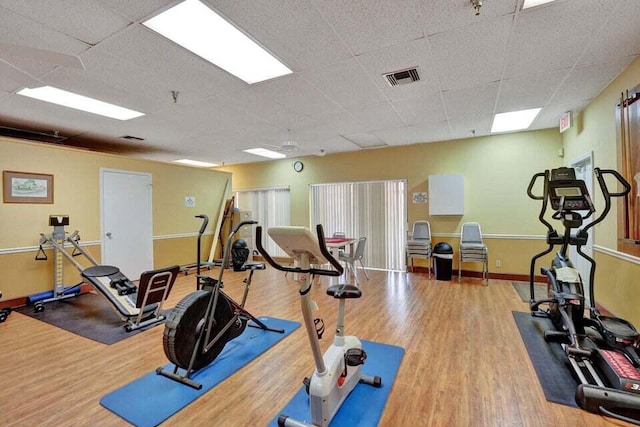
[[478, 125], [19, 30], [316, 45], [438, 16], [613, 40], [420, 109], [398, 136], [345, 83], [377, 116], [86, 20], [583, 83], [138, 10], [296, 93], [553, 37], [529, 92], [471, 55], [365, 26], [471, 103], [431, 132]]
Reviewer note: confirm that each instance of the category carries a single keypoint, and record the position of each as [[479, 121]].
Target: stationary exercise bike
[[202, 323], [339, 370], [602, 350]]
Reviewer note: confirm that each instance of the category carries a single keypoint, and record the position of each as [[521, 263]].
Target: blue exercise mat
[[365, 405], [153, 398]]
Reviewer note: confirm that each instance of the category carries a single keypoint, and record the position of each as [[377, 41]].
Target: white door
[[127, 223], [584, 171]]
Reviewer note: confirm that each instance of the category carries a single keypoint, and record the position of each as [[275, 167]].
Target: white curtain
[[376, 210], [270, 207]]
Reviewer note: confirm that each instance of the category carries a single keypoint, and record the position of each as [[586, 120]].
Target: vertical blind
[[270, 207], [375, 210]]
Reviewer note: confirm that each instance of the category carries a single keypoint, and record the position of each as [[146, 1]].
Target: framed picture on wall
[[27, 187]]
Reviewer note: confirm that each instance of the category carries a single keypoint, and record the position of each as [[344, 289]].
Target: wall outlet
[[498, 263]]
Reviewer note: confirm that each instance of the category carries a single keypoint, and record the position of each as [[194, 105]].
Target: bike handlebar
[[319, 271]]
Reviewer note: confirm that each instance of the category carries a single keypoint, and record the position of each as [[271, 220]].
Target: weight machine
[[138, 306]]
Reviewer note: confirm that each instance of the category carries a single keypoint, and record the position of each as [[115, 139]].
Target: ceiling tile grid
[[556, 56]]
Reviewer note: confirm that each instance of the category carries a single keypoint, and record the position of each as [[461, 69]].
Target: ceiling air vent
[[402, 77]]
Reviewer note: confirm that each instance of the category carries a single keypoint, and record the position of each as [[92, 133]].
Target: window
[[376, 210], [270, 207]]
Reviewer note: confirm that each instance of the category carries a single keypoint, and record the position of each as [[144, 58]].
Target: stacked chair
[[419, 244], [473, 249]]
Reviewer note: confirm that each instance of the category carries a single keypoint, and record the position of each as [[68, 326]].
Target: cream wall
[[616, 284], [497, 170], [77, 194]]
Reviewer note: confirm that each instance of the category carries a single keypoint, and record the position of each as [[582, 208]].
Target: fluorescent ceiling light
[[514, 120], [198, 28], [265, 153], [79, 102], [196, 163], [533, 3]]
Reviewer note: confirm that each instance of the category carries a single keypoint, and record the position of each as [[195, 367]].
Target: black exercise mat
[[88, 315], [522, 288], [548, 359]]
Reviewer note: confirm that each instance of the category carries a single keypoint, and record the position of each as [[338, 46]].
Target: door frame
[[586, 160], [103, 230]]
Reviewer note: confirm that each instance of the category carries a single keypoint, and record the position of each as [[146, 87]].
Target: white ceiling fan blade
[[64, 59]]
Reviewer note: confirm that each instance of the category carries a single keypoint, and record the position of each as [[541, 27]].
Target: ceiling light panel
[[533, 3], [196, 27], [514, 120], [79, 102], [263, 152], [197, 163]]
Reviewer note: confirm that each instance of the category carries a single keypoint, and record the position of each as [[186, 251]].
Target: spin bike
[[204, 321], [602, 350], [339, 370]]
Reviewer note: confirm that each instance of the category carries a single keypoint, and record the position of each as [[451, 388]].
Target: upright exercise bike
[[339, 370], [204, 321], [602, 350]]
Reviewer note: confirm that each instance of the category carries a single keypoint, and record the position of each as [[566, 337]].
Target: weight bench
[[143, 306]]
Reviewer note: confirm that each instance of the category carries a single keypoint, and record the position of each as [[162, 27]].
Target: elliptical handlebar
[[599, 173], [319, 271], [544, 197]]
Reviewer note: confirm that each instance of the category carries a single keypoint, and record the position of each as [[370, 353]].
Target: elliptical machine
[[202, 322], [339, 370], [602, 351]]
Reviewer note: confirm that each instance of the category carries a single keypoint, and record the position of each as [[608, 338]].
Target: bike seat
[[344, 291]]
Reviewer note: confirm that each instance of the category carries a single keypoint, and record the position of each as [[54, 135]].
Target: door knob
[[109, 234]]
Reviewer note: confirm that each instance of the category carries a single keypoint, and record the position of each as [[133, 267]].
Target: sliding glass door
[[270, 207], [376, 210]]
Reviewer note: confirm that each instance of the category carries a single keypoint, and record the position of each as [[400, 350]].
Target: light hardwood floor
[[465, 364]]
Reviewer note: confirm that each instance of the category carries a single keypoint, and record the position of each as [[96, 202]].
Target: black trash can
[[239, 254], [443, 260]]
